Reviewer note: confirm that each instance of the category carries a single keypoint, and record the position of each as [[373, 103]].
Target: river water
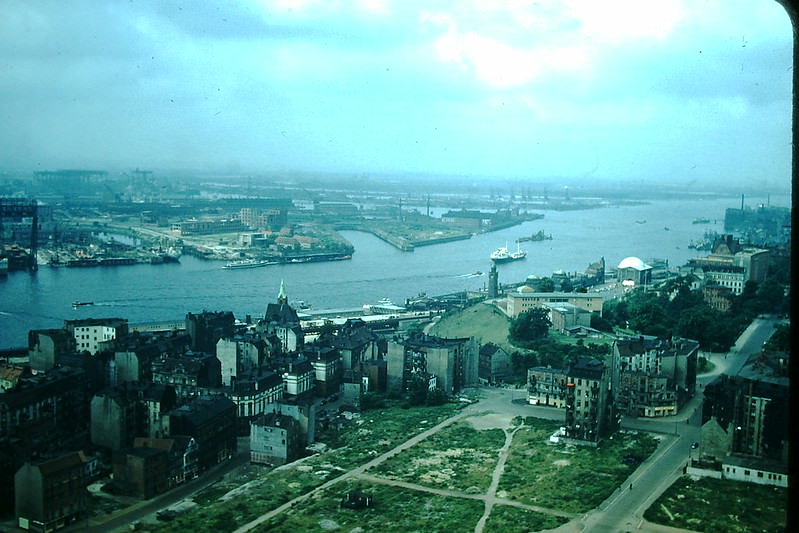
[[155, 293]]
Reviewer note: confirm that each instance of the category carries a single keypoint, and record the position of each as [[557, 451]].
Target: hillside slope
[[484, 322]]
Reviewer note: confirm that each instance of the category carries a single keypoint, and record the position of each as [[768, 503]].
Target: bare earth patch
[[491, 421], [437, 476]]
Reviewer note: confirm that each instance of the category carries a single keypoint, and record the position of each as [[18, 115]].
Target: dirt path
[[491, 495], [456, 494]]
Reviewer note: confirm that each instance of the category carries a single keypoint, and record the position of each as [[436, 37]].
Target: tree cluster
[[548, 352], [529, 326], [676, 310]]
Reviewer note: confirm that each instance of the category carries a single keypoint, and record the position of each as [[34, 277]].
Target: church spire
[[281, 296]]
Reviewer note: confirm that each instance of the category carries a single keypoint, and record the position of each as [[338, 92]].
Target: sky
[[675, 91]]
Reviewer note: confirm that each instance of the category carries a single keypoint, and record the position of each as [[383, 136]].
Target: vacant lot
[[721, 506], [453, 467], [508, 519], [394, 509], [457, 458], [568, 478], [364, 438]]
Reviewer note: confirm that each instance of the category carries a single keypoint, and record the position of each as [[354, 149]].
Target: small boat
[[640, 221], [77, 304], [701, 220]]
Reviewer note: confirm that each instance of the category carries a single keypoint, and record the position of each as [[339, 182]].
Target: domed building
[[633, 271]]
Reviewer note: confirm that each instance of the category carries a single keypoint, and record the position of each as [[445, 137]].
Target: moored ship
[[248, 263], [535, 237], [384, 306], [502, 255]]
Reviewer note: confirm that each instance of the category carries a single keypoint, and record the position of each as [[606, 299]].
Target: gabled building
[[357, 342], [494, 364], [281, 320], [211, 421], [182, 456]]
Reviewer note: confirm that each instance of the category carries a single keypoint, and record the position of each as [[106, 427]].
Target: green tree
[[648, 315], [780, 340], [601, 323], [695, 323], [417, 390], [546, 285], [530, 325], [566, 285]]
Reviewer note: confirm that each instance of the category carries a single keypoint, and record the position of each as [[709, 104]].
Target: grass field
[[395, 510], [508, 519], [568, 478], [721, 506], [459, 457]]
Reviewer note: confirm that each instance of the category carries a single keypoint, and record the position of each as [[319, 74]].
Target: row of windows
[[777, 477]]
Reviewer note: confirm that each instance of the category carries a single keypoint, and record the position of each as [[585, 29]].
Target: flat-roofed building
[[91, 333], [519, 302]]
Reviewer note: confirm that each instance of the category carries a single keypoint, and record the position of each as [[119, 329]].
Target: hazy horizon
[[570, 93]]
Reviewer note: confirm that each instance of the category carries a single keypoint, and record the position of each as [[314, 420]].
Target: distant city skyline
[[568, 92]]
